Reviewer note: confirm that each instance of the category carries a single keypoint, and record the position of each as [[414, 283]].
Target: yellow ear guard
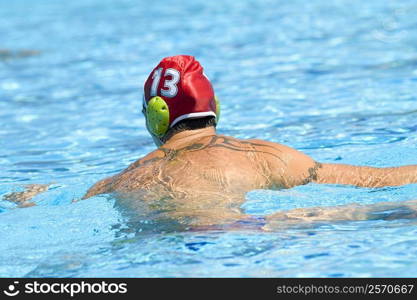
[[217, 109], [157, 115]]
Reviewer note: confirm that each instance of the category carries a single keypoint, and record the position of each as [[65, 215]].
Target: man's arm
[[100, 187], [296, 168], [366, 176]]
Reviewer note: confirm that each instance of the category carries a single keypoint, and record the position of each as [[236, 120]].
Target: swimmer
[[204, 176], [199, 177]]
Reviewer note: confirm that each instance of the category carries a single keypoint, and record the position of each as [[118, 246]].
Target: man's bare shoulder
[[271, 150], [100, 187], [289, 166], [276, 146], [252, 142], [105, 185], [286, 152], [149, 158]]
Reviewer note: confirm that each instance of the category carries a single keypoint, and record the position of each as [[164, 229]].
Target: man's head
[[178, 96]]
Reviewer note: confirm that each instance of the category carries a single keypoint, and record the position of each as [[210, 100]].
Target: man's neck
[[188, 137]]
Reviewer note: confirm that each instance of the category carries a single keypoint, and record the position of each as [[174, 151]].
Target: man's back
[[208, 175], [215, 163]]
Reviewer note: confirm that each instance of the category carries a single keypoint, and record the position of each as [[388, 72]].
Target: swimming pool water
[[335, 79]]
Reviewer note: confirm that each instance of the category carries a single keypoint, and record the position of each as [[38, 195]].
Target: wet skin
[[200, 178]]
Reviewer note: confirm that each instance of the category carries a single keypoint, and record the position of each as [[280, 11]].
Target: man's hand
[[22, 199]]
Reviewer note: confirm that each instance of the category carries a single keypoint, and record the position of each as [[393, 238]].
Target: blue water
[[335, 79]]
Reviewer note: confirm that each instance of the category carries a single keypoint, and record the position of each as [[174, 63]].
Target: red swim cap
[[180, 82]]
